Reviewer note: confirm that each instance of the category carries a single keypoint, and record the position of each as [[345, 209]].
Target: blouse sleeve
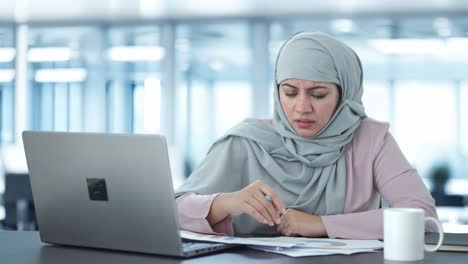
[[193, 210], [220, 172], [400, 186]]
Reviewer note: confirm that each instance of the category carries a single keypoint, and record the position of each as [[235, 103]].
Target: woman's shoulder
[[370, 125], [250, 123], [370, 133], [245, 130]]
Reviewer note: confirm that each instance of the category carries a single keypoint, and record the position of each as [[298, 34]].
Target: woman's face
[[308, 105]]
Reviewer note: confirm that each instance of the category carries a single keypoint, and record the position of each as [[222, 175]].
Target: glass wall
[[412, 72], [213, 64], [95, 78], [63, 65], [133, 89], [462, 149], [429, 120], [7, 80], [193, 80]]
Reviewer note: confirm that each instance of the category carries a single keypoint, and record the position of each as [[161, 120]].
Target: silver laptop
[[111, 191]]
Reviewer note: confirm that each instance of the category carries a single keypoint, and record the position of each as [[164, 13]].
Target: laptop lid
[[98, 190]]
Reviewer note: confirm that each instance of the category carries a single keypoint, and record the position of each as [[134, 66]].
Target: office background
[[192, 69]]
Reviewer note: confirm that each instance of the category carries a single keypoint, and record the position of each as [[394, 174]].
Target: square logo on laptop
[[97, 189]]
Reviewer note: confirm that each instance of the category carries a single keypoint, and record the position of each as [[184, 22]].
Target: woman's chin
[[306, 132]]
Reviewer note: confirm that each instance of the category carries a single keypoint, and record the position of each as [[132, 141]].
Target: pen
[[268, 198]]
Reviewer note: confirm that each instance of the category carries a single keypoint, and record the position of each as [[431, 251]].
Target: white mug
[[404, 234]]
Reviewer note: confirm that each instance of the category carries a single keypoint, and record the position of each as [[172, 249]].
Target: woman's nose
[[303, 105]]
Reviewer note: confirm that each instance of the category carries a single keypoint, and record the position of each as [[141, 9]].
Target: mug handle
[[441, 235]]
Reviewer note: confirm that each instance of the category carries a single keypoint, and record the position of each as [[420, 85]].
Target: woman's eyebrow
[[310, 88]]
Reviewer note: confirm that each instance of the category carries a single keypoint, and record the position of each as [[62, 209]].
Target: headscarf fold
[[308, 173]]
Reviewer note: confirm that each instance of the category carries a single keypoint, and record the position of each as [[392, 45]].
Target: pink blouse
[[390, 175]]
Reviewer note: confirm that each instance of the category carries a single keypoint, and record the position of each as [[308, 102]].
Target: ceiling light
[[60, 75], [7, 54], [7, 75], [49, 54], [136, 53]]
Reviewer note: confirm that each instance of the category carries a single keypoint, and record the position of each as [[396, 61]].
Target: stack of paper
[[294, 246], [320, 246]]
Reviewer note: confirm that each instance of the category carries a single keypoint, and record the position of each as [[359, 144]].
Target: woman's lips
[[304, 123]]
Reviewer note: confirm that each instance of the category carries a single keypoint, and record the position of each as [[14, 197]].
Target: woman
[[319, 168]]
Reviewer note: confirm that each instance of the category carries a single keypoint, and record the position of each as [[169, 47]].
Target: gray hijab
[[308, 174]]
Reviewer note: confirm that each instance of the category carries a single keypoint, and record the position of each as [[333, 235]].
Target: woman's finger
[[248, 209], [268, 205], [282, 227], [252, 201], [280, 207]]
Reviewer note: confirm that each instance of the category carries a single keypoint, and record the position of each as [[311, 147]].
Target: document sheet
[[293, 246]]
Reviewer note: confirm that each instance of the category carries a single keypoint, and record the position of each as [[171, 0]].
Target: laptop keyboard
[[199, 246]]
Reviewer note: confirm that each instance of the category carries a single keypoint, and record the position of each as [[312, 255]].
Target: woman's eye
[[319, 96], [290, 94]]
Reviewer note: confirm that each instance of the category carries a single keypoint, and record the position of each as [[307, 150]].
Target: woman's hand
[[250, 200], [297, 223]]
